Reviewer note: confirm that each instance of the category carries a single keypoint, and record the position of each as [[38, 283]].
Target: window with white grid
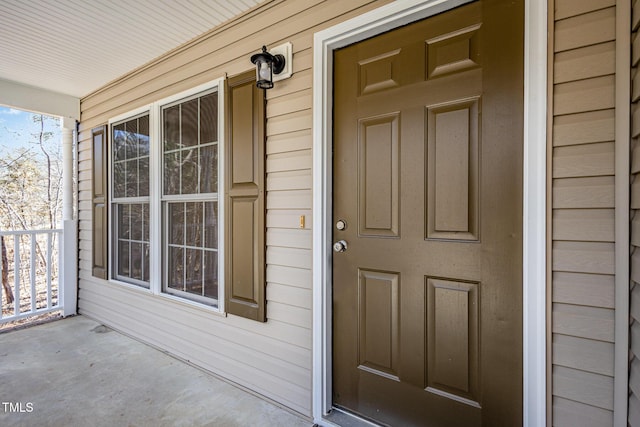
[[189, 201]]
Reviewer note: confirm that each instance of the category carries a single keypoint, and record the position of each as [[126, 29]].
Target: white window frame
[[164, 200], [156, 234]]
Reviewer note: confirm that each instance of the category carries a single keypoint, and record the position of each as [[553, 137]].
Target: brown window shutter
[[245, 199], [99, 201]]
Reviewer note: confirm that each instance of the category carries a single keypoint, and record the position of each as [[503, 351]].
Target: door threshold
[[342, 418]]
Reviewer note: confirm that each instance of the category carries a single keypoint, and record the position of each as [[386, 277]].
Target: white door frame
[[385, 18]]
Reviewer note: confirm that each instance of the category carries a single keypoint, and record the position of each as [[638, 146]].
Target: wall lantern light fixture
[[272, 66]]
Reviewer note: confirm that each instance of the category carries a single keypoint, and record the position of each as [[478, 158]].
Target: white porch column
[[68, 280]]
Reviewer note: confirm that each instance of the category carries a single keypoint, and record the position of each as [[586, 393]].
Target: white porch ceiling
[[74, 47]]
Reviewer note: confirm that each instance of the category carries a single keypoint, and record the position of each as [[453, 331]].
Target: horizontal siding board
[[576, 193], [290, 161], [291, 276], [290, 123], [634, 376], [293, 141], [635, 86], [583, 354], [584, 95], [584, 257], [586, 29], [289, 219], [585, 387], [635, 193], [293, 199], [635, 159], [584, 128], [289, 257], [568, 8], [635, 50], [293, 103], [635, 337], [290, 180], [292, 295], [586, 62], [590, 225], [635, 121], [634, 411], [635, 267], [290, 314], [584, 160], [584, 322], [289, 238], [635, 229], [303, 81], [596, 290], [635, 302], [568, 413]]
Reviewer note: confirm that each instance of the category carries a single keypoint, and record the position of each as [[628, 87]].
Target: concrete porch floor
[[76, 372]]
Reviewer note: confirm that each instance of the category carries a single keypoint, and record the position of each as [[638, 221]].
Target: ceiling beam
[[17, 95]]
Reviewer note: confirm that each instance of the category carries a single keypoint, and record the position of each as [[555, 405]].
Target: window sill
[[193, 304]]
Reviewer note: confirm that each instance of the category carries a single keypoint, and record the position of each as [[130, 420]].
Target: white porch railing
[[31, 273]]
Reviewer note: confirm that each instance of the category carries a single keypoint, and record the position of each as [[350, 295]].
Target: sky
[[17, 129]]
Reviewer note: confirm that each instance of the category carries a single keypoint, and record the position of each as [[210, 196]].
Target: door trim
[[383, 19]]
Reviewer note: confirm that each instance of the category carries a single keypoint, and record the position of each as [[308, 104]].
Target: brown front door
[[427, 294]]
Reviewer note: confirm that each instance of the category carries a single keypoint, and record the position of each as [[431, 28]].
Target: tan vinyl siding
[[634, 302], [273, 359], [583, 252]]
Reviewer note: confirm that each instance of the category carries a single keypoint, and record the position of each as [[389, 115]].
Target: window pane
[[132, 249], [171, 128], [189, 171], [118, 142], [143, 136], [123, 221], [211, 225], [136, 260], [175, 277], [176, 223], [131, 135], [143, 177], [193, 270], [172, 173], [145, 262], [209, 169], [193, 218], [209, 118], [136, 222], [119, 179], [145, 222], [123, 258], [210, 273], [132, 178], [189, 123]]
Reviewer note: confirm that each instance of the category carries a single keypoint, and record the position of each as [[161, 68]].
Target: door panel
[[427, 179]]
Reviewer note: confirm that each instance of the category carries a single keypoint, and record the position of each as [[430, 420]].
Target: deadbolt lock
[[340, 246], [341, 225]]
